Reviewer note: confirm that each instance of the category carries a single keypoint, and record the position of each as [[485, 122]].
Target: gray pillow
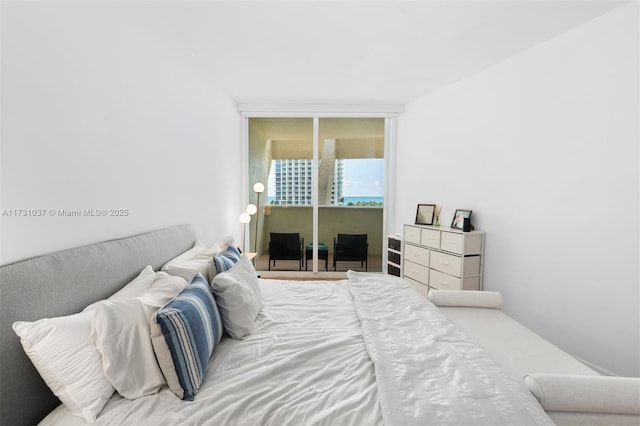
[[238, 297]]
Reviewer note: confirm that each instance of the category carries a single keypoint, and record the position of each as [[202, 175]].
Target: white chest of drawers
[[443, 259]]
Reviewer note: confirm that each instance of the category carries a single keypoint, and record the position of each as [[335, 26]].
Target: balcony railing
[[331, 221]]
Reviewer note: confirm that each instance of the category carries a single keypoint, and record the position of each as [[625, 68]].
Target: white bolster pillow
[[586, 394], [466, 298]]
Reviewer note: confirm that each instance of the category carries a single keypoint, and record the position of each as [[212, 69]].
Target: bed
[[366, 350]]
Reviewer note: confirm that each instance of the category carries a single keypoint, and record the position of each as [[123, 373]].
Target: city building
[[293, 182]]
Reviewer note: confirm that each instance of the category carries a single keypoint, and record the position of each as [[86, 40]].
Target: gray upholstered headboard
[[64, 283]]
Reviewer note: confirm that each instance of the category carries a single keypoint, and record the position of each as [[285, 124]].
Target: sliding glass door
[[350, 192], [323, 177], [281, 158]]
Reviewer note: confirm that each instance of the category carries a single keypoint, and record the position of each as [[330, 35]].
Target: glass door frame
[[390, 126]]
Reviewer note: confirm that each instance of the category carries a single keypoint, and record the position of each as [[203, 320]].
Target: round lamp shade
[[252, 209], [258, 187], [245, 218]]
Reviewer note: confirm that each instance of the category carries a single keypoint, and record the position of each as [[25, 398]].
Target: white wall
[[100, 110], [544, 148]]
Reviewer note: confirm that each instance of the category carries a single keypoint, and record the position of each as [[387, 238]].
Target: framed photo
[[424, 215], [458, 218]]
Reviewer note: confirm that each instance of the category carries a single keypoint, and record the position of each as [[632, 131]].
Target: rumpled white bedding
[[427, 369], [309, 360], [305, 363]]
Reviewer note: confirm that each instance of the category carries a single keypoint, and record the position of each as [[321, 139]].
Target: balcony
[[282, 152], [331, 221]]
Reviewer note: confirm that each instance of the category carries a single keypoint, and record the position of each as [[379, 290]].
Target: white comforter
[[305, 363], [427, 369], [309, 360]]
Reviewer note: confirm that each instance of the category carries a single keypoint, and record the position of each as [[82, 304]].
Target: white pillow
[[238, 297], [137, 286], [467, 298], [70, 365], [121, 335], [197, 248], [586, 394], [192, 261], [59, 348]]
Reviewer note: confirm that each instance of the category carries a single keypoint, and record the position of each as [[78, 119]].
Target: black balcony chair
[[350, 247], [286, 246]]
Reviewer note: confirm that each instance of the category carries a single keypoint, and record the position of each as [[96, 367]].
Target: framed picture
[[458, 218], [424, 215]]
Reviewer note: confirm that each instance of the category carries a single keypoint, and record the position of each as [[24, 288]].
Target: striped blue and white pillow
[[224, 261], [190, 328]]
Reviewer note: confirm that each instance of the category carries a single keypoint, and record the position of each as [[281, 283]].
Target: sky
[[363, 177]]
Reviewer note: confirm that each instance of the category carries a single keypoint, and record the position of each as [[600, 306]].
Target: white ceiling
[[385, 52]]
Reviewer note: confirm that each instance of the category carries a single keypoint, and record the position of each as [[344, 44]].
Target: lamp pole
[[244, 219], [258, 188]]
